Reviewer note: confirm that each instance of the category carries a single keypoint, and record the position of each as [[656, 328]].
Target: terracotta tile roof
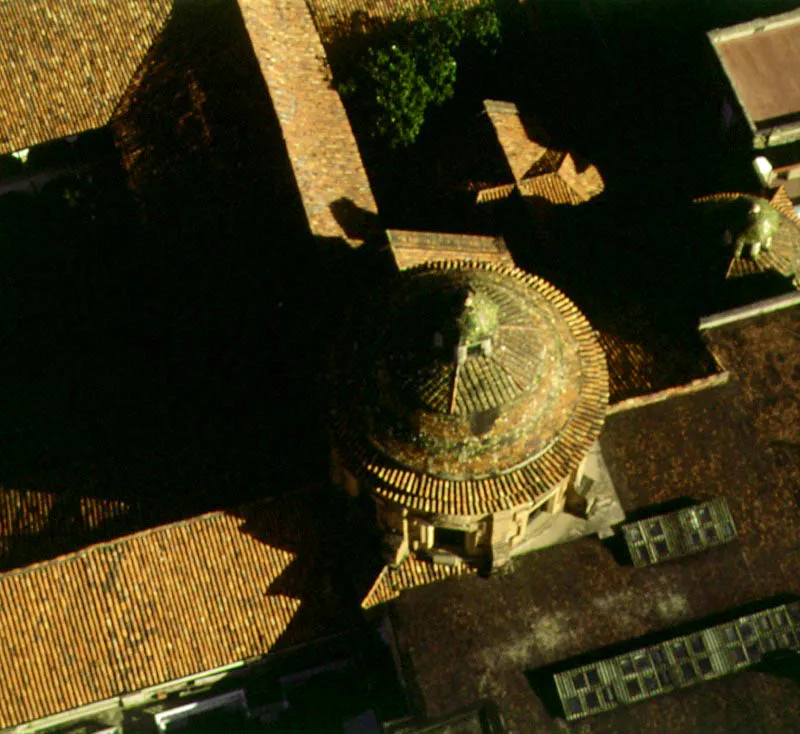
[[471, 634], [23, 512], [495, 193], [784, 255], [327, 165], [523, 145], [32, 523], [415, 248], [151, 607], [337, 17], [538, 170], [408, 575], [165, 87], [552, 188], [66, 63], [495, 477], [781, 201], [585, 181], [643, 360]]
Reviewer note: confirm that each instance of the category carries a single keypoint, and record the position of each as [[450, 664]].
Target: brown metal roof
[[151, 607], [547, 393], [764, 67], [66, 63]]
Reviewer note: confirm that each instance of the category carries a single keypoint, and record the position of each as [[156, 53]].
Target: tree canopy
[[411, 65]]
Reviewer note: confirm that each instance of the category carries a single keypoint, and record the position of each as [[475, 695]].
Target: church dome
[[467, 388]]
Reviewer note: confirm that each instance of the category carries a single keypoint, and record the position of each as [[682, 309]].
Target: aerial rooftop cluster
[[397, 367]]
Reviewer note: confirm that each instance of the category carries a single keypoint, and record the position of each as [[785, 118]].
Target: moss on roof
[[467, 374]]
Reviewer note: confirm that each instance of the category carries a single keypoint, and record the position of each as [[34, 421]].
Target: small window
[[634, 689], [698, 644], [450, 539]]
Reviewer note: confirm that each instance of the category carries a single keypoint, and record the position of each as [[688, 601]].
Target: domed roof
[[467, 388]]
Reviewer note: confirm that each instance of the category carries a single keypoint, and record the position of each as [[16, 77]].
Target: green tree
[[411, 65]]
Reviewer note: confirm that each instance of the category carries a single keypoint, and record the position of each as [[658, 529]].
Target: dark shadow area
[[618, 549], [781, 663], [541, 679], [413, 690], [312, 688], [482, 717], [163, 322], [356, 222], [633, 89], [68, 523], [336, 553], [661, 508]]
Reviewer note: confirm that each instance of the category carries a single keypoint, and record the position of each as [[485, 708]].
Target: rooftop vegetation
[[398, 72]]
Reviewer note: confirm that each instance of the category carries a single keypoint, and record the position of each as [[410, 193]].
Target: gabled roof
[[152, 607], [66, 63], [537, 169]]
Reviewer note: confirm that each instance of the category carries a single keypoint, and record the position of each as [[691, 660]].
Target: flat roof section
[[764, 68]]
